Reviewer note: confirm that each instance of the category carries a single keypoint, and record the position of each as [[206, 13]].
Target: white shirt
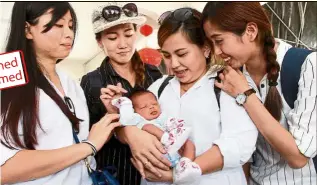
[[57, 134], [231, 128], [268, 168]]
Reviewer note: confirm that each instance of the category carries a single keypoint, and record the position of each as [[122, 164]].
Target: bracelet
[[94, 150]]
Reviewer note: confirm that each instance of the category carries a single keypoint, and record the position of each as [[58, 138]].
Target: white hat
[[100, 23]]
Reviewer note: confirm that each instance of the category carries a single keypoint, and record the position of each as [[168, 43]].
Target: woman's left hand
[[232, 82], [166, 176]]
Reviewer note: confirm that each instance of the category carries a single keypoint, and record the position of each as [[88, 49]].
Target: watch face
[[240, 99]]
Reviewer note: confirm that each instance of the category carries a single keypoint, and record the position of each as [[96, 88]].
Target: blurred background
[[293, 22]]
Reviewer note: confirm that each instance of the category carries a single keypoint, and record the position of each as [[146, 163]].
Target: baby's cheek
[[138, 111]]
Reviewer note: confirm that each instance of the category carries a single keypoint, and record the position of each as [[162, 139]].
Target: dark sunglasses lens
[[163, 16], [111, 13], [130, 10]]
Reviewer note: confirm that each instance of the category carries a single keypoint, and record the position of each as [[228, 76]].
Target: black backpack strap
[[217, 90], [217, 93], [290, 73], [163, 85]]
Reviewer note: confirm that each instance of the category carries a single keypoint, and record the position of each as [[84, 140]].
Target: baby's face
[[147, 106]]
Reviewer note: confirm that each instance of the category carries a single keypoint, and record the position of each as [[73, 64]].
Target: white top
[[231, 128], [268, 167], [58, 134]]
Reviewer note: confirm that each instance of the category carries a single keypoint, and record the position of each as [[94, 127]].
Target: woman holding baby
[[224, 136]]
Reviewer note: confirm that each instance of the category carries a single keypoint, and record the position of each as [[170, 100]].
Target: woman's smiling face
[[186, 59]]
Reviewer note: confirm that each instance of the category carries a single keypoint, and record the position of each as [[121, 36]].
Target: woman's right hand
[[164, 175], [147, 149], [102, 130], [108, 94]]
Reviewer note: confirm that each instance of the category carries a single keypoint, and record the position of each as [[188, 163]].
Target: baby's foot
[[186, 172], [173, 123], [175, 139]]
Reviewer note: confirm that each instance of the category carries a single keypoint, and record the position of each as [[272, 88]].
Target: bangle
[[94, 150]]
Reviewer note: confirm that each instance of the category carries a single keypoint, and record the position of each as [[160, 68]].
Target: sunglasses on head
[[181, 15], [113, 12]]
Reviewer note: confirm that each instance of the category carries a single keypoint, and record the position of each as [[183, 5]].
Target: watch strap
[[249, 92]]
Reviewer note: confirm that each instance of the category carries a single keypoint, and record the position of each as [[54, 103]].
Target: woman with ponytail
[[38, 119], [115, 28], [241, 35]]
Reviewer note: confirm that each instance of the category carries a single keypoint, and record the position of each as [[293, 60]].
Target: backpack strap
[[217, 90], [163, 85], [290, 73]]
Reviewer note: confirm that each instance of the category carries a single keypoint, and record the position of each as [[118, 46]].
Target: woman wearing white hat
[[115, 29]]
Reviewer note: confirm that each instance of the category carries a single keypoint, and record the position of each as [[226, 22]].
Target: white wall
[[73, 68], [94, 63]]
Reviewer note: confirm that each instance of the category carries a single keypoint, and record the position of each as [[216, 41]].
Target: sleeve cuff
[[230, 152], [7, 153], [305, 142]]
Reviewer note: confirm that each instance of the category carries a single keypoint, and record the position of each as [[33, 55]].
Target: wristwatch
[[242, 97]]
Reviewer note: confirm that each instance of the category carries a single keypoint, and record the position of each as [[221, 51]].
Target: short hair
[[139, 93]]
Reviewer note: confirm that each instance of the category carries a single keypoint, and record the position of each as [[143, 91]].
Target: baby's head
[[145, 103]]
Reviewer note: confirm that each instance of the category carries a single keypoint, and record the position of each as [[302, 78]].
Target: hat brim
[[139, 20]]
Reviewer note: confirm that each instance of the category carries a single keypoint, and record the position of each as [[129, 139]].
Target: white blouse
[[230, 128], [57, 133]]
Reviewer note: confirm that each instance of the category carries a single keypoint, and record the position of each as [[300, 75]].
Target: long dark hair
[[20, 104], [234, 17], [137, 64], [190, 27]]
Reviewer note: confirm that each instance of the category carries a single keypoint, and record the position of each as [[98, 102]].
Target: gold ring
[[145, 164]]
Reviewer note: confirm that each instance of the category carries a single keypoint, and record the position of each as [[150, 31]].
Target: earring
[[207, 54]]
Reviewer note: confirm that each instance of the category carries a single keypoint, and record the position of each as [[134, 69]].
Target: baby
[[143, 111]]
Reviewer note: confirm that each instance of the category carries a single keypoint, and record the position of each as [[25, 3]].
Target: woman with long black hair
[[38, 119]]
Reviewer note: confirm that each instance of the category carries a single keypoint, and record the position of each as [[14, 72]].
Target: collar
[[244, 70], [202, 81], [247, 74]]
